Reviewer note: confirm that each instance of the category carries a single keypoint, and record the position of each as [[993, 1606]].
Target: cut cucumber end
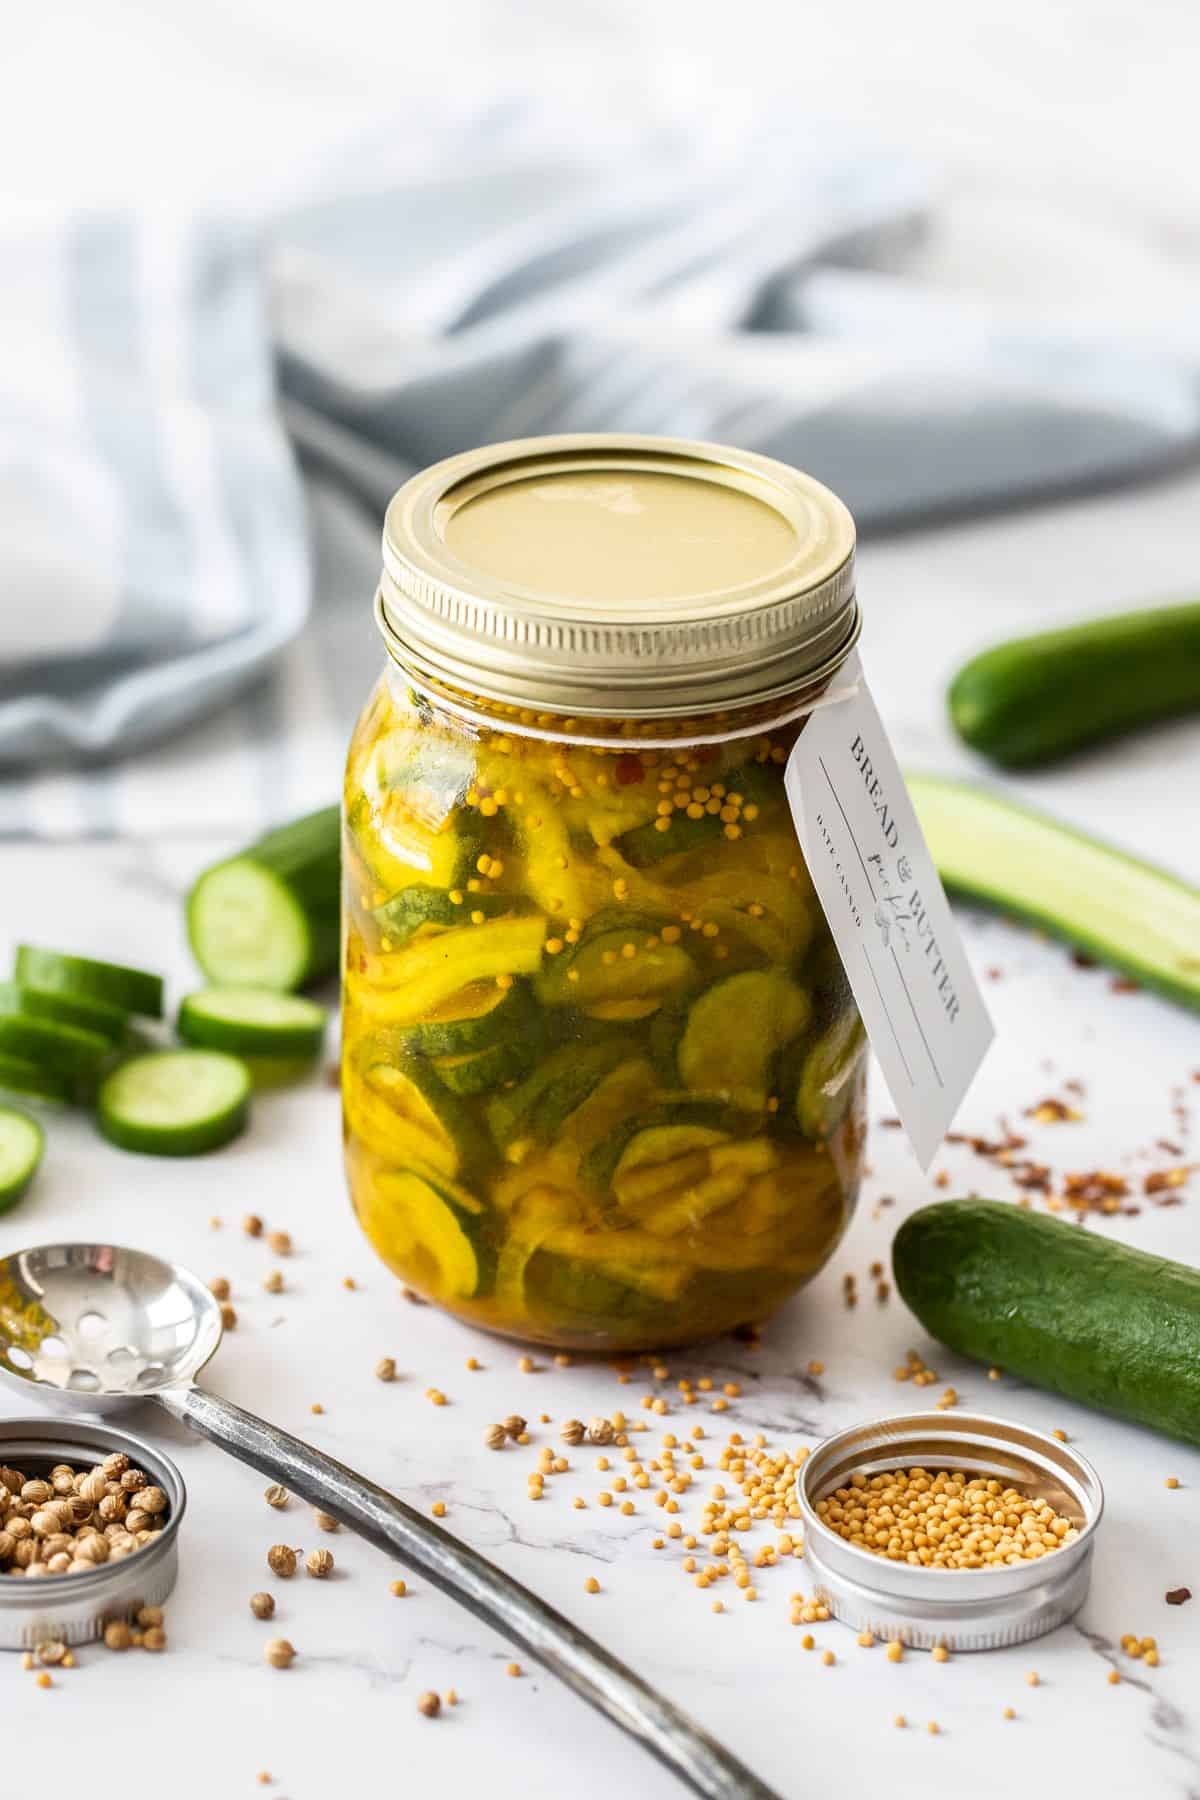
[[247, 928], [252, 1021], [20, 1076], [22, 1142], [175, 1102]]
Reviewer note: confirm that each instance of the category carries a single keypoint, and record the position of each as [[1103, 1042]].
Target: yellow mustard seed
[[1172, 1481], [940, 1653]]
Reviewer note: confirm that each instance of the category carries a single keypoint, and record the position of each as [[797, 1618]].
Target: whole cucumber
[[1060, 1306], [1037, 698]]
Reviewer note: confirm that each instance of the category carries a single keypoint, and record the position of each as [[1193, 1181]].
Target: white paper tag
[[887, 911]]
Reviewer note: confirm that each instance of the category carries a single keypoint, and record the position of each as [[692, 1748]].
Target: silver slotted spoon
[[98, 1327]]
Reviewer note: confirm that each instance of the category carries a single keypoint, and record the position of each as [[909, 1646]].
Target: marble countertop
[[214, 1714], [1069, 177]]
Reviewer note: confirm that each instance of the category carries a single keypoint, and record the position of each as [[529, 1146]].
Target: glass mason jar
[[603, 1077]]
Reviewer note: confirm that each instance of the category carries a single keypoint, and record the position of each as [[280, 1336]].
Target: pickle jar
[[603, 1078]]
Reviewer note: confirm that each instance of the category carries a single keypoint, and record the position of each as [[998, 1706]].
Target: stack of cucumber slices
[[68, 1035]]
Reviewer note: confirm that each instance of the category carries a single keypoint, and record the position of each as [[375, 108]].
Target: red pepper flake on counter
[[1177, 1596]]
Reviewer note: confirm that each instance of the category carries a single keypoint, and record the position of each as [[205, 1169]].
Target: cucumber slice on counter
[[734, 1031], [252, 1022], [64, 1009], [269, 916], [66, 1050], [1036, 698], [478, 1015], [22, 1141], [20, 1076], [79, 977], [1127, 913], [175, 1102]]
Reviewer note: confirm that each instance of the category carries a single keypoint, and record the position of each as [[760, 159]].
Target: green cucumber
[[20, 1076], [1122, 911], [429, 1123], [22, 1141], [600, 970], [252, 1022], [1058, 1306], [175, 1102], [79, 977], [431, 1237], [65, 1049], [734, 1031], [475, 1017], [403, 989], [268, 917], [540, 1105], [64, 1009], [479, 1071], [817, 1078], [646, 845], [666, 1131], [406, 912], [1036, 698]]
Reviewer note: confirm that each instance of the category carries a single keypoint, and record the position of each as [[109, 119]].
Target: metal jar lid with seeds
[[73, 1605], [1028, 1504]]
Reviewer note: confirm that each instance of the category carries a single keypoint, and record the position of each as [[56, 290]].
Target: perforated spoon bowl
[[98, 1327]]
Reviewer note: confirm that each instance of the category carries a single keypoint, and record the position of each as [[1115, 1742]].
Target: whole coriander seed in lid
[[956, 1608]]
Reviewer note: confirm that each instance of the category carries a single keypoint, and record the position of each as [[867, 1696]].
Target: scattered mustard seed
[[228, 1317], [398, 1588], [1172, 1481], [592, 1585], [438, 1509], [429, 1704], [1009, 1713], [280, 1242], [154, 1638], [252, 1225], [273, 1281], [218, 1287], [513, 1669], [385, 1369], [895, 1651], [1033, 1679], [940, 1653], [117, 1635]]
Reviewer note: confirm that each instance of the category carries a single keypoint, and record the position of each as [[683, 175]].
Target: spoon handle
[[688, 1751]]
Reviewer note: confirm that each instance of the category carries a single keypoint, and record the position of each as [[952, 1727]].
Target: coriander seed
[[276, 1495], [319, 1563], [281, 1560], [573, 1432], [154, 1638], [325, 1521], [514, 1425], [219, 1288], [600, 1431], [429, 1704], [117, 1635], [385, 1369], [495, 1437], [273, 1282], [280, 1242], [279, 1653], [262, 1606]]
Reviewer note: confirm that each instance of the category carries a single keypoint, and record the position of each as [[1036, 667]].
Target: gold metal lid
[[606, 576]]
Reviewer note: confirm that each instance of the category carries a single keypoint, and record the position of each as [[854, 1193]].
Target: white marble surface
[[346, 1711], [1070, 180]]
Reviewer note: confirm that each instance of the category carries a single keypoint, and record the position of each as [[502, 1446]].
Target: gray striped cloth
[[204, 423]]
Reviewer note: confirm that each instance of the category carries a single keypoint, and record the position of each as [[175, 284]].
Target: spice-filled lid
[[619, 576], [960, 1608]]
